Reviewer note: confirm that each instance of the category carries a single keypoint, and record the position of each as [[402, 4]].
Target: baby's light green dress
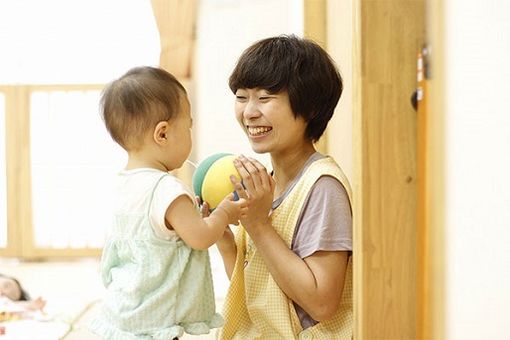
[[155, 288]]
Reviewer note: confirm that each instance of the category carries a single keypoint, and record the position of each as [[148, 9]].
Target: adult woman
[[289, 263]]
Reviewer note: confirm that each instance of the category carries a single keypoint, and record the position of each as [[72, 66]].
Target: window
[[3, 176], [58, 158], [73, 162], [75, 42]]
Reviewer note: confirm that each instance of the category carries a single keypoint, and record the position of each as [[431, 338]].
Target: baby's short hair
[[134, 103], [24, 296], [300, 67]]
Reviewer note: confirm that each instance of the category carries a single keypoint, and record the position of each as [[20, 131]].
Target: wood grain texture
[[432, 288], [389, 34], [16, 171]]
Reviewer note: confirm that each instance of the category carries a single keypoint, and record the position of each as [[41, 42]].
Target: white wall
[[477, 43], [225, 28], [340, 47], [66, 42]]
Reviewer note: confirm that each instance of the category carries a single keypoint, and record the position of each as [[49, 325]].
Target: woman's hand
[[257, 187]]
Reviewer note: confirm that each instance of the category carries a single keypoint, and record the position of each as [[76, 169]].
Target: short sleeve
[[326, 220], [167, 190]]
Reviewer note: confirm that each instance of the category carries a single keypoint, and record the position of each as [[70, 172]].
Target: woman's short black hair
[[296, 65]]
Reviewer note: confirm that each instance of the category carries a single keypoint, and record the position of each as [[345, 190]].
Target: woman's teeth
[[255, 131]]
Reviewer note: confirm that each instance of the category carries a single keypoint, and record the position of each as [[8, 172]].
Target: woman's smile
[[258, 131]]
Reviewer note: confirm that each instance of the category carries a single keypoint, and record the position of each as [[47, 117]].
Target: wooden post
[[387, 35]]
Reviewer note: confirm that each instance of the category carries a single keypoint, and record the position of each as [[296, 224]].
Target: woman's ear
[[161, 132]]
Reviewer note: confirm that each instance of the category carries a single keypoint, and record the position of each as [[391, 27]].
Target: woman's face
[[268, 121], [9, 288]]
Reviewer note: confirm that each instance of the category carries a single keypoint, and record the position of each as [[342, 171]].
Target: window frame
[[20, 230]]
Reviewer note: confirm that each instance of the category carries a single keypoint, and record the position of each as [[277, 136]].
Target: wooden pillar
[[431, 308], [19, 202], [387, 36]]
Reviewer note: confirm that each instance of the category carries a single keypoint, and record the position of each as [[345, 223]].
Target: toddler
[[155, 264]]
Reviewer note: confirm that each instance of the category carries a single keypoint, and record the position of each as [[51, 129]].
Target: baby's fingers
[[244, 213], [205, 210], [198, 200], [239, 188]]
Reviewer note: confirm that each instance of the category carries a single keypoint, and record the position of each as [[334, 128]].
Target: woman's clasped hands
[[257, 188]]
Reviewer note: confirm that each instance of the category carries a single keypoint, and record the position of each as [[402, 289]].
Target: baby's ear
[[161, 132]]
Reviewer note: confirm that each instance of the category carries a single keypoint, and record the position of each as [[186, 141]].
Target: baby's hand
[[204, 207], [37, 304], [232, 209]]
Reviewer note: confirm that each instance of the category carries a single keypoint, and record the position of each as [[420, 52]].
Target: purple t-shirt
[[325, 222]]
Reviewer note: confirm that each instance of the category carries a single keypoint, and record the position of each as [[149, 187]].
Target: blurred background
[[422, 131]]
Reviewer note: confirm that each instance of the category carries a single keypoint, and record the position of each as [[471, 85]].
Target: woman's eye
[[240, 98]]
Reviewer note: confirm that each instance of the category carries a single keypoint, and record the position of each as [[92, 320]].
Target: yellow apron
[[255, 307]]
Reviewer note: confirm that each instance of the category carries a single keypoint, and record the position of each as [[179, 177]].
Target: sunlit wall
[[477, 152], [224, 30]]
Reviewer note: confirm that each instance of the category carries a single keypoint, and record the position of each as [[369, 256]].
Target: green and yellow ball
[[211, 180]]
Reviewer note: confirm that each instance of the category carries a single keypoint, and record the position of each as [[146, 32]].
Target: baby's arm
[[228, 251], [33, 305], [198, 232], [226, 244]]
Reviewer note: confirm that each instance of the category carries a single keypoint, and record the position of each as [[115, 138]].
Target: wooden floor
[[73, 290]]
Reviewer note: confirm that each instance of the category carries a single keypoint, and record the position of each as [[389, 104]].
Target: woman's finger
[[252, 170], [245, 175], [263, 174]]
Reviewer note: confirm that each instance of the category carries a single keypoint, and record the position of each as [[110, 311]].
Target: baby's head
[[300, 67], [11, 288], [135, 104]]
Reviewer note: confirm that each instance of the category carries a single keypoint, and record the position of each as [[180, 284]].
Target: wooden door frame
[[431, 288], [379, 310], [385, 181]]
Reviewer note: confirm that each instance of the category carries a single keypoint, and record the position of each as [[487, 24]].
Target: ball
[[211, 180]]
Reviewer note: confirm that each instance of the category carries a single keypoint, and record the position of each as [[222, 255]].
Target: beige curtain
[[176, 24], [176, 21]]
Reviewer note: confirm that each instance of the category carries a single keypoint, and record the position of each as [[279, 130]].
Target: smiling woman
[[271, 128], [294, 248]]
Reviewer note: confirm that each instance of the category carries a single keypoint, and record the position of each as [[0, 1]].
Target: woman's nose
[[251, 110]]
